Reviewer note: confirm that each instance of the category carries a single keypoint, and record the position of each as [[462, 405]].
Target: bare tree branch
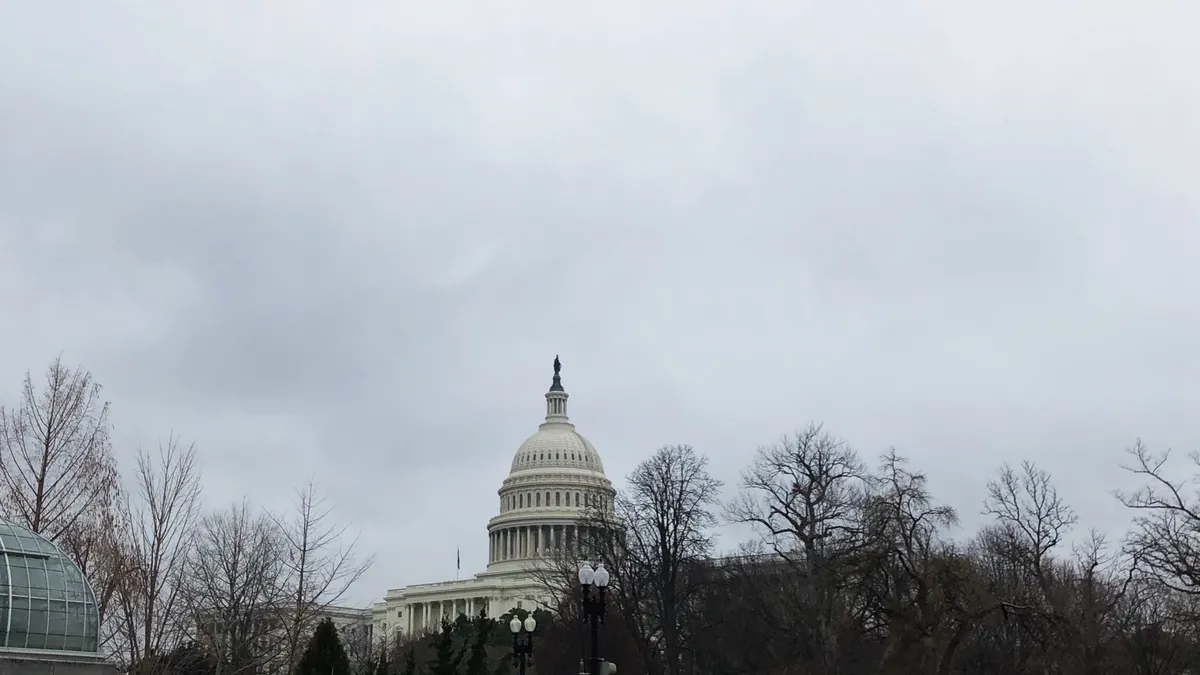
[[320, 565], [163, 511], [236, 590]]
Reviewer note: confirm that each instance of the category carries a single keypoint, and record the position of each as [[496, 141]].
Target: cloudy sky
[[347, 239]]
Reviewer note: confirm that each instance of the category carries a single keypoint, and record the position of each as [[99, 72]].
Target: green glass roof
[[45, 603]]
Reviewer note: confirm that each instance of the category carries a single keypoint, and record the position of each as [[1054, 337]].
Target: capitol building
[[556, 476]]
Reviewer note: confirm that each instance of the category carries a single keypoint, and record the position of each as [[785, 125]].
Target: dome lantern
[[556, 398]]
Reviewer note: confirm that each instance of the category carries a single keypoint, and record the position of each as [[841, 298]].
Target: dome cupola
[[557, 444]]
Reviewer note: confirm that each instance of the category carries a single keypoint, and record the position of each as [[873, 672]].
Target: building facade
[[555, 478]]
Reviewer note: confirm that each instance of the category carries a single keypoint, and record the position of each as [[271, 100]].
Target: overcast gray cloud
[[347, 239]]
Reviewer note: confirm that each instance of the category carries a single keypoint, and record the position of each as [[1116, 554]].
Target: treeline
[[855, 570], [177, 581], [465, 646]]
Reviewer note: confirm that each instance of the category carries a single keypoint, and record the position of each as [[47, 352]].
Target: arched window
[[521, 500], [558, 499], [547, 499], [539, 499], [576, 499]]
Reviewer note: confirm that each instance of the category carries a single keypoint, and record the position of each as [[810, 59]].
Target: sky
[[345, 240]]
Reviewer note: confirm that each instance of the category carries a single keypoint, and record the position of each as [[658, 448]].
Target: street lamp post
[[522, 641], [593, 584]]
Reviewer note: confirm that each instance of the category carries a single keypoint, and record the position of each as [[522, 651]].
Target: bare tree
[[922, 590], [1028, 506], [1167, 517], [162, 519], [57, 457], [235, 590], [802, 496], [320, 565], [662, 525], [360, 648], [57, 472]]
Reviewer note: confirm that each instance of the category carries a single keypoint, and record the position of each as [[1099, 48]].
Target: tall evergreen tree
[[324, 654], [410, 662], [446, 660], [477, 662]]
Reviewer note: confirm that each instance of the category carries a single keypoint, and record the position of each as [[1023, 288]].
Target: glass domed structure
[[45, 602]]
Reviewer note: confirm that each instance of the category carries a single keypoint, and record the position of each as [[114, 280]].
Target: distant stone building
[[556, 476], [49, 620]]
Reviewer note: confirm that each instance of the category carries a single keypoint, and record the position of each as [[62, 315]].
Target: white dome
[[557, 446], [556, 477]]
